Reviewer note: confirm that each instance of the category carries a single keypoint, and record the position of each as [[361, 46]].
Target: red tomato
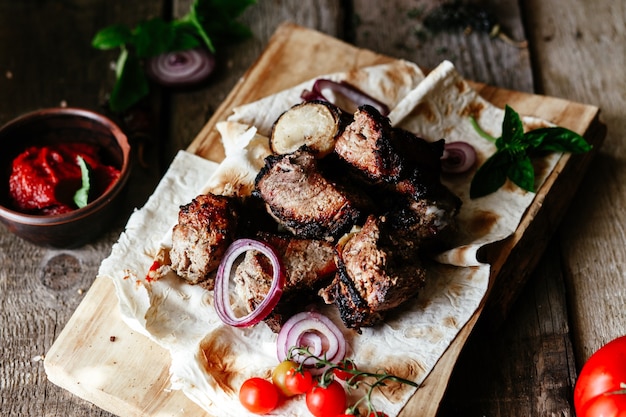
[[601, 386], [289, 380], [258, 395], [298, 382], [342, 373], [325, 402], [377, 414]]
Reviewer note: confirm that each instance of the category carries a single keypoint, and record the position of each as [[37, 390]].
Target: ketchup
[[44, 179]]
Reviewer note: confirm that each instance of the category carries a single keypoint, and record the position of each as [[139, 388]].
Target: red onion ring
[[222, 279], [356, 96], [458, 157], [315, 331], [181, 68]]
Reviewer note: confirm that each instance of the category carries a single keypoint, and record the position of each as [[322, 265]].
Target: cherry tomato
[[298, 382], [289, 380], [377, 414], [601, 384], [258, 395], [326, 401], [342, 372]]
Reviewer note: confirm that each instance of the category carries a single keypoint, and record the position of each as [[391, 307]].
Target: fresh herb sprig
[[515, 149], [208, 23], [81, 197]]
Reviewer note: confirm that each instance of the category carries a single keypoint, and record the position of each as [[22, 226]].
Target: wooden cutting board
[[100, 359]]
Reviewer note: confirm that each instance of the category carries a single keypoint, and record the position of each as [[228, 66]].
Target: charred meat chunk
[[302, 200], [374, 275], [206, 227], [366, 145], [405, 164], [309, 265], [426, 222]]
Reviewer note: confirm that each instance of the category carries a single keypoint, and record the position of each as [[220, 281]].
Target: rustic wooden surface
[[574, 300], [115, 380]]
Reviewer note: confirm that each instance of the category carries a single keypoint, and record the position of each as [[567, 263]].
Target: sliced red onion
[[313, 330], [458, 157], [347, 90], [222, 280], [181, 68]]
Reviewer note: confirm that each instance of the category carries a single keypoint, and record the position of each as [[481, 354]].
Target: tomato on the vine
[[258, 395], [601, 384], [377, 414], [343, 372], [290, 380], [326, 401]]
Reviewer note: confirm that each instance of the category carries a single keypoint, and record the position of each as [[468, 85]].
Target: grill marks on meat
[[302, 200], [382, 181], [407, 169], [366, 144], [376, 273], [206, 227], [309, 265]]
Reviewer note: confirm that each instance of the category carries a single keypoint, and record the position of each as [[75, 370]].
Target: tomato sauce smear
[[44, 179]]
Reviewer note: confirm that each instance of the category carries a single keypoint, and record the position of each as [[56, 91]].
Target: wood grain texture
[[68, 357], [47, 61], [576, 51], [581, 56], [397, 30], [191, 110]]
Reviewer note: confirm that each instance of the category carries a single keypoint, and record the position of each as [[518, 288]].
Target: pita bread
[[388, 83], [211, 360]]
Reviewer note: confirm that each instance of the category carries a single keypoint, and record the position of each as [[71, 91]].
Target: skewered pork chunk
[[302, 200], [376, 273], [206, 227], [309, 265]]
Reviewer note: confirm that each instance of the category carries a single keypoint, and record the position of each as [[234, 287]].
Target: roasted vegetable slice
[[315, 124]]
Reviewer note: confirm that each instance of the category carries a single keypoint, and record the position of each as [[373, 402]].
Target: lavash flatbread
[[211, 360]]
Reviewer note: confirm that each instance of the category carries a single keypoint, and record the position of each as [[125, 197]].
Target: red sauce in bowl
[[44, 179]]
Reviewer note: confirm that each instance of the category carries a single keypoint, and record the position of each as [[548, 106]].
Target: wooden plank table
[[528, 364]]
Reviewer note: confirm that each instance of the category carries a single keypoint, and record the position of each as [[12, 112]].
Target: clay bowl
[[52, 126]]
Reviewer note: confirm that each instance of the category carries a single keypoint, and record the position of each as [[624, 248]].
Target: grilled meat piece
[[206, 227], [425, 222], [302, 200], [366, 144], [406, 165], [376, 273], [309, 265]]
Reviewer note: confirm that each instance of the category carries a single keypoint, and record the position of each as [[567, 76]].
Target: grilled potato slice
[[315, 124]]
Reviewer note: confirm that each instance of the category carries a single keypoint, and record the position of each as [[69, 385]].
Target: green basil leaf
[[153, 37], [81, 197], [112, 37], [216, 18], [131, 85], [514, 149], [490, 176], [185, 37], [522, 173], [512, 130], [557, 139]]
